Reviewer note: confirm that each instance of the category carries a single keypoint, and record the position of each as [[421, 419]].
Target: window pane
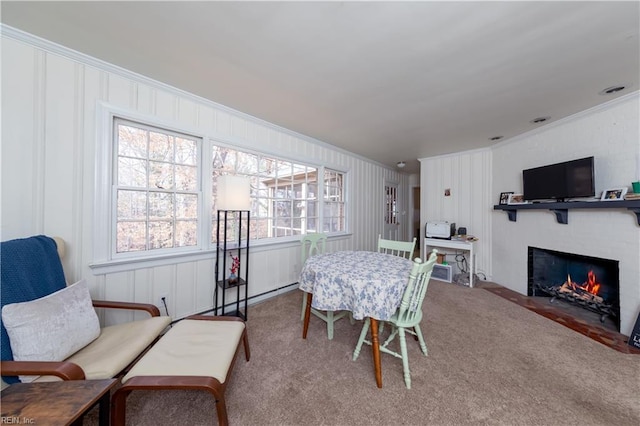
[[132, 205], [186, 178], [132, 142], [186, 206], [224, 159], [132, 172], [283, 208], [160, 234], [247, 163], [160, 147], [160, 205], [259, 228], [284, 169], [160, 175], [186, 233], [267, 166], [186, 151], [312, 190], [131, 236]]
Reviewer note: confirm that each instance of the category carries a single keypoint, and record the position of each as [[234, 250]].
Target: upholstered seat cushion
[[192, 348], [116, 346]]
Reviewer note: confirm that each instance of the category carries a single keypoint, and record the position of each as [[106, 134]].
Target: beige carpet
[[491, 362]]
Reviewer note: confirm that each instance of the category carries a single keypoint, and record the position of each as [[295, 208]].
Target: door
[[391, 224]]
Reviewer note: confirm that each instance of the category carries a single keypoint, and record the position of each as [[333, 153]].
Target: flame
[[591, 285]]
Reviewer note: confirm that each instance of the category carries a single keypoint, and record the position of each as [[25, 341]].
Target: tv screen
[[560, 181]]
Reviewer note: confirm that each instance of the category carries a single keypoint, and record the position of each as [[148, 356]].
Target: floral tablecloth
[[369, 284]]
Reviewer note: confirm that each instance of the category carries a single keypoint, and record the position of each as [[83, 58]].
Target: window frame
[[105, 259]]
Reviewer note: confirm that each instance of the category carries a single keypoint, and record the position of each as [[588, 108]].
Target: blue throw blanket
[[30, 269]]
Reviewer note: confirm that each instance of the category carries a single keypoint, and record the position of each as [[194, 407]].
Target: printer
[[440, 229]]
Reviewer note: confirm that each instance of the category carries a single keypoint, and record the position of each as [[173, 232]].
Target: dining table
[[368, 284]]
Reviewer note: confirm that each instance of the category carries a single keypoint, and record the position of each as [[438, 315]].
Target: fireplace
[[590, 284]]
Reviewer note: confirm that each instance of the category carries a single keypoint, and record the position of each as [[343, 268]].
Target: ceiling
[[390, 81]]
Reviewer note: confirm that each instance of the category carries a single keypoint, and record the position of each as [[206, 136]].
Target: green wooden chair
[[312, 244], [408, 316], [396, 248]]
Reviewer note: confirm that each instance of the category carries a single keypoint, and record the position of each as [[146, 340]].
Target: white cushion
[[53, 327], [192, 348]]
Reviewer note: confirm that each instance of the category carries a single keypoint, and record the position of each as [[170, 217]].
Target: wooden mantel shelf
[[562, 209]]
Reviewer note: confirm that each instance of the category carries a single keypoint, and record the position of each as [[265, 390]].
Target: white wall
[[468, 176], [49, 138], [610, 133]]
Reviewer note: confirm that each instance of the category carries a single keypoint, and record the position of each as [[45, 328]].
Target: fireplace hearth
[[589, 283]]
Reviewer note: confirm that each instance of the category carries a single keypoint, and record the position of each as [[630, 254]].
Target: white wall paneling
[[50, 139], [610, 133], [467, 176]]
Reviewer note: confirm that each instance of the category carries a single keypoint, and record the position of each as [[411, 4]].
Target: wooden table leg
[[375, 347], [307, 315], [105, 409]]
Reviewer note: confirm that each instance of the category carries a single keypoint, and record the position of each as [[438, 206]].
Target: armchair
[[33, 287]]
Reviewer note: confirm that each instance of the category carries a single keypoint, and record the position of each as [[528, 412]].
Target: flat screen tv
[[560, 181]]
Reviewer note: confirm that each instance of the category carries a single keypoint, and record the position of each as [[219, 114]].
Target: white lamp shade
[[233, 193]]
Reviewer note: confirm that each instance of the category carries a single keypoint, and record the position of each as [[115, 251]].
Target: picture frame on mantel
[[515, 199], [504, 197], [613, 194]]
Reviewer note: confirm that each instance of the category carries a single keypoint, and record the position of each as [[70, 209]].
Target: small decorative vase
[[233, 279]]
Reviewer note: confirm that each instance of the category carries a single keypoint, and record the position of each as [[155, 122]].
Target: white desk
[[463, 245]]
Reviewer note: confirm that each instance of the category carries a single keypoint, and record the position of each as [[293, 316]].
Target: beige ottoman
[[196, 353]]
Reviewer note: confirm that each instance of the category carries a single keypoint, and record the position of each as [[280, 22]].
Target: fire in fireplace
[[588, 282]]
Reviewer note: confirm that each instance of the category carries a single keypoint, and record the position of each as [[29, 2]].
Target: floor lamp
[[233, 204]]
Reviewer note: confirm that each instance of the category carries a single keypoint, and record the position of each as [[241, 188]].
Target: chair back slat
[[312, 244], [411, 305], [396, 248]]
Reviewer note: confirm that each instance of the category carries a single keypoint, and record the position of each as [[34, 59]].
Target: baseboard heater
[[252, 299]]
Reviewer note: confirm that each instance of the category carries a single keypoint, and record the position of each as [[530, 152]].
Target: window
[[284, 194], [157, 188], [156, 192]]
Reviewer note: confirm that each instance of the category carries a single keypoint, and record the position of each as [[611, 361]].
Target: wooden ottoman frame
[[188, 382]]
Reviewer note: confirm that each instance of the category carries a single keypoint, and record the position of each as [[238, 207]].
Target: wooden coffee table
[[56, 403]]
